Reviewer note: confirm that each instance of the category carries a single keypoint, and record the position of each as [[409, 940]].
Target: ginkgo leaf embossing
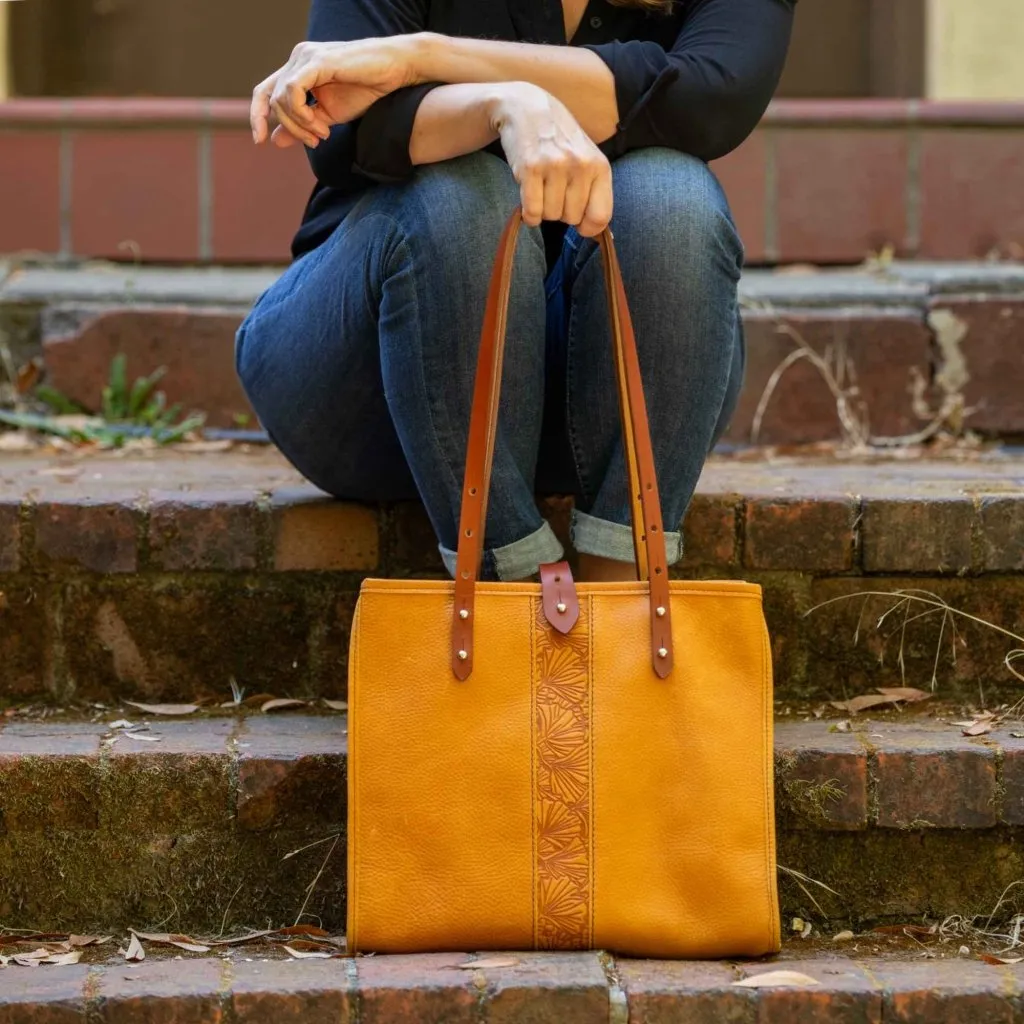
[[562, 781]]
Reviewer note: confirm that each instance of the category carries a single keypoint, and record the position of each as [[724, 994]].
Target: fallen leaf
[[978, 729], [904, 929], [337, 705], [863, 702], [308, 946], [88, 940], [63, 959], [994, 960], [134, 952], [240, 940], [282, 704], [845, 936], [203, 447], [165, 709], [15, 441], [907, 693], [255, 700], [122, 723], [300, 954], [302, 929], [787, 979], [492, 962], [167, 939], [141, 736]]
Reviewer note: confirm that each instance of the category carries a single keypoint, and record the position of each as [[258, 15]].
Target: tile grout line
[[66, 158], [912, 196], [771, 212], [204, 170]]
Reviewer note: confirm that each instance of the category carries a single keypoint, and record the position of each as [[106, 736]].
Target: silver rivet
[[464, 614], [561, 607], [662, 652], [660, 612], [463, 655]]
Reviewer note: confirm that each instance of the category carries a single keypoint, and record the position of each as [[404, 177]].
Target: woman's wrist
[[424, 55]]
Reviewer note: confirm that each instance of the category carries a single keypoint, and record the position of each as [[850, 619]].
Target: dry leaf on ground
[[240, 940], [139, 736], [165, 709], [996, 960], [336, 705], [780, 979], [302, 929], [301, 954], [185, 942], [204, 447], [978, 728], [63, 959], [309, 946], [845, 936], [488, 962], [905, 929], [88, 940], [282, 704], [862, 703], [134, 952], [908, 693]]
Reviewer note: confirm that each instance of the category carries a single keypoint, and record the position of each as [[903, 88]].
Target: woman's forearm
[[452, 121], [577, 77]]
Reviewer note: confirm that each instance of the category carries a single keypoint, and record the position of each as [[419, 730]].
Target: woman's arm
[[341, 148], [703, 96], [562, 174]]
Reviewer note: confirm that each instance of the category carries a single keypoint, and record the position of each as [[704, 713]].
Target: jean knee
[[464, 204], [673, 205]]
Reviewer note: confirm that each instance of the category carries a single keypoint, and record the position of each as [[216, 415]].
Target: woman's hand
[[345, 78], [562, 175]]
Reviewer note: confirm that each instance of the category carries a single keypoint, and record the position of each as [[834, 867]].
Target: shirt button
[[596, 22]]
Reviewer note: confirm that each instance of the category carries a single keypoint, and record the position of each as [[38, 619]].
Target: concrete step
[[238, 821], [905, 339], [568, 988], [164, 575]]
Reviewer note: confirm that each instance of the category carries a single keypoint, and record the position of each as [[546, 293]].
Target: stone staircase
[[174, 576]]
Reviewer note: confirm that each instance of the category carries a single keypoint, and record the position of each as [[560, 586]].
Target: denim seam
[[403, 247]]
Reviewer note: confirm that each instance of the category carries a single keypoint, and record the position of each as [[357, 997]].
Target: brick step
[[546, 988], [902, 817], [958, 328], [162, 576]]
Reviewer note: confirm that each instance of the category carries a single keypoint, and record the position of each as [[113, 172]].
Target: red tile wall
[[820, 181], [259, 193], [29, 191], [135, 194], [972, 193], [840, 194]]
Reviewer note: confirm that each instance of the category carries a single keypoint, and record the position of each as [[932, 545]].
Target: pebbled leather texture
[[564, 796], [558, 593]]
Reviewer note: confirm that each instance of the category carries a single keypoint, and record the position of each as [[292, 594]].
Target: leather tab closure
[[558, 590]]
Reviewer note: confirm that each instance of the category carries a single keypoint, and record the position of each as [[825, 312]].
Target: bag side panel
[[683, 829], [441, 828]]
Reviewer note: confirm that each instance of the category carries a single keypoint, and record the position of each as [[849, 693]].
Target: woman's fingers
[[598, 213], [259, 109], [531, 194], [284, 117]]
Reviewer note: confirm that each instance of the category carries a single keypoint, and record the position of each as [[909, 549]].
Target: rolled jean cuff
[[515, 561], [591, 536]]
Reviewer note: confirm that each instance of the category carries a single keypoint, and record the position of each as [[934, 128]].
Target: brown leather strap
[[648, 533], [558, 596]]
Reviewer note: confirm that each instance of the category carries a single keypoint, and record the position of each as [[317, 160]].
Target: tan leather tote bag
[[557, 765]]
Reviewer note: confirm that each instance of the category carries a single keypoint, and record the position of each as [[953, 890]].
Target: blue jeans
[[360, 359]]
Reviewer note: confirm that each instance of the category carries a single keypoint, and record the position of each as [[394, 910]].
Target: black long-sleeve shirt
[[696, 79]]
